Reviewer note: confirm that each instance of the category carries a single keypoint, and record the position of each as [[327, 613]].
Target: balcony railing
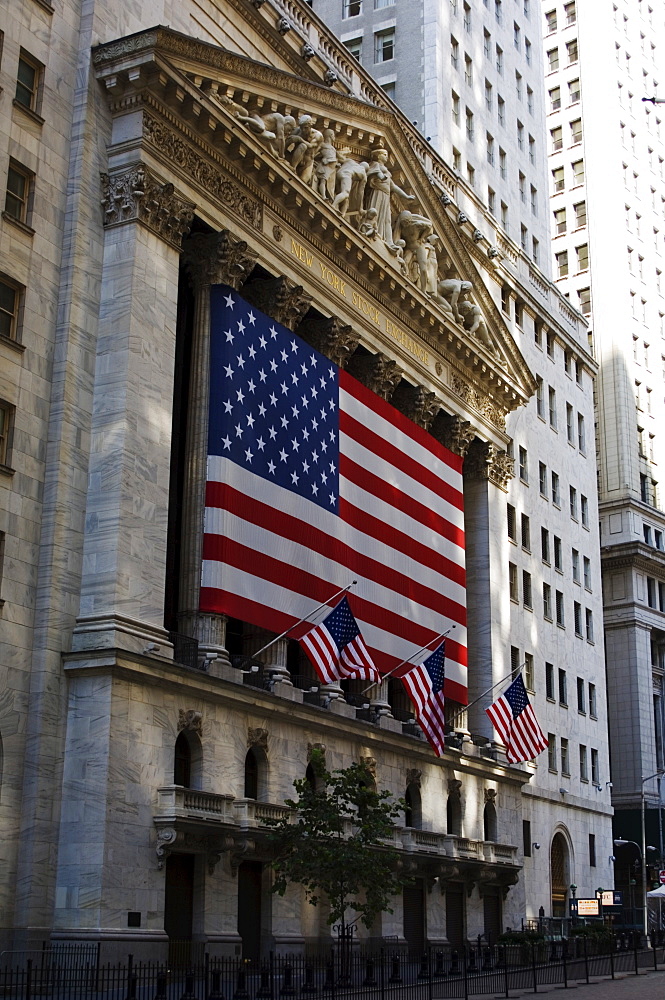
[[249, 812], [191, 803]]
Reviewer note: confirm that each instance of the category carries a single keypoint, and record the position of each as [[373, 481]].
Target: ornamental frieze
[[204, 174], [477, 401]]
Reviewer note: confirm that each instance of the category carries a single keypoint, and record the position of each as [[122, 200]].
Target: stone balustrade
[[250, 813], [448, 845], [176, 802]]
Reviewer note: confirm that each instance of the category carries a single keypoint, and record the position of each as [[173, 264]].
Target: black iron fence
[[440, 974]]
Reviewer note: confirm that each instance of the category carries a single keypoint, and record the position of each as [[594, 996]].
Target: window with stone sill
[[384, 46], [556, 496], [565, 763], [595, 769], [512, 582], [9, 308], [551, 752], [18, 197], [6, 426], [355, 47], [549, 681], [352, 8], [593, 709], [529, 672], [584, 771], [545, 545], [28, 82], [581, 704], [547, 601], [527, 593]]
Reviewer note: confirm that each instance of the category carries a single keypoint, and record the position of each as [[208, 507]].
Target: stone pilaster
[[124, 547], [219, 258], [331, 337], [376, 371], [280, 298]]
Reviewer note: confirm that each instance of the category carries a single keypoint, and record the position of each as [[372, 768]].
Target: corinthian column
[[216, 259]]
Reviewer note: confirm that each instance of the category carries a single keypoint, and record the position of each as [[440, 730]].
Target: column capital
[[280, 298], [218, 259], [136, 195], [376, 371], [416, 403], [330, 336], [485, 461], [453, 432]]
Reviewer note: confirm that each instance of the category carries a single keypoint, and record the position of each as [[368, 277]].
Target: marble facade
[[108, 385]]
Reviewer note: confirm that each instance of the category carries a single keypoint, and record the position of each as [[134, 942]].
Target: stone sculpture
[[380, 187], [350, 184], [325, 165], [448, 294], [303, 144], [474, 322]]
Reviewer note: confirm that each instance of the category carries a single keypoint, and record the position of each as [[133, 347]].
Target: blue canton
[[341, 624], [273, 401], [516, 696], [435, 666]]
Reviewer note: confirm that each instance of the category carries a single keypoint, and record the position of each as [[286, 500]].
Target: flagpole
[[384, 677], [475, 701], [301, 620]]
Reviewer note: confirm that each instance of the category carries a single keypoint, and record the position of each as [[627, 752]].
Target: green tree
[[334, 843]]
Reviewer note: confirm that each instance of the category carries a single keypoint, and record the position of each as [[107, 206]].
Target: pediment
[[362, 179]]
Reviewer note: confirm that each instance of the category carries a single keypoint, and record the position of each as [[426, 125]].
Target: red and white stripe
[[429, 707], [521, 734], [353, 661], [269, 556]]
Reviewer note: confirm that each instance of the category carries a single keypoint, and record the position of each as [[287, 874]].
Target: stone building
[[140, 755]]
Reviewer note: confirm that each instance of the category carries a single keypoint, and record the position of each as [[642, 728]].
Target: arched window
[[413, 808], [560, 874], [256, 773], [454, 815], [187, 760], [489, 822]]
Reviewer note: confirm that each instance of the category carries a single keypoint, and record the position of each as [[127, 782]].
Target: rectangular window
[[584, 301], [573, 91], [526, 532], [584, 508], [563, 689], [9, 304], [573, 502], [551, 751], [491, 200], [558, 180], [556, 136], [501, 110], [561, 264], [454, 52], [27, 82], [532, 149], [6, 425], [384, 46], [580, 214], [518, 85], [517, 35], [529, 672], [542, 478], [355, 47], [527, 593], [577, 613], [560, 614], [487, 44], [555, 98], [584, 770], [588, 617], [560, 221], [575, 560], [526, 838], [488, 96], [592, 701], [571, 49], [570, 12], [595, 770], [592, 850], [19, 188], [581, 704], [578, 172], [352, 8], [469, 125], [529, 100], [514, 660], [468, 69], [545, 545], [512, 581], [527, 51], [549, 681], [547, 601], [512, 522], [499, 60], [551, 393], [570, 425], [467, 17], [524, 465], [503, 170], [576, 131], [581, 435], [553, 60], [565, 764], [558, 554], [455, 104], [556, 496], [551, 21], [587, 572], [490, 149], [582, 257]]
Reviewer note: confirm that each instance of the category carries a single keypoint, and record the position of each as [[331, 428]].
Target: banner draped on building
[[314, 480]]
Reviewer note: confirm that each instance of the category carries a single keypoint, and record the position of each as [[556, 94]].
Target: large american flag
[[515, 721], [313, 480], [424, 684]]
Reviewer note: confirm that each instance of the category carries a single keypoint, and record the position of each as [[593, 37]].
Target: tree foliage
[[334, 843]]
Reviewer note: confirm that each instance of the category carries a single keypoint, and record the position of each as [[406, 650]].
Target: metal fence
[[440, 974]]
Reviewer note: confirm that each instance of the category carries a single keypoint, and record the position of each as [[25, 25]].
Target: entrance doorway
[[414, 916], [455, 916], [492, 915], [559, 872], [250, 879], [179, 906]]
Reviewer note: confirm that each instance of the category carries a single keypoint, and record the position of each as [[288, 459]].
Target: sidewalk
[[650, 986]]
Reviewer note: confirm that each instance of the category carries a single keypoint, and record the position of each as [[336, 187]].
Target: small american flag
[[515, 721], [424, 685], [337, 650]]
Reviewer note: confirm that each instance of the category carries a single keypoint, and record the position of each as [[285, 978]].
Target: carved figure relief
[[190, 720], [381, 187]]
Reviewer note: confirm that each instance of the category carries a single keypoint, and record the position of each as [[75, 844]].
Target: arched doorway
[[559, 874]]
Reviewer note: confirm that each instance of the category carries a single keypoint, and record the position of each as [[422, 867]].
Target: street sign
[[584, 907], [661, 878]]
